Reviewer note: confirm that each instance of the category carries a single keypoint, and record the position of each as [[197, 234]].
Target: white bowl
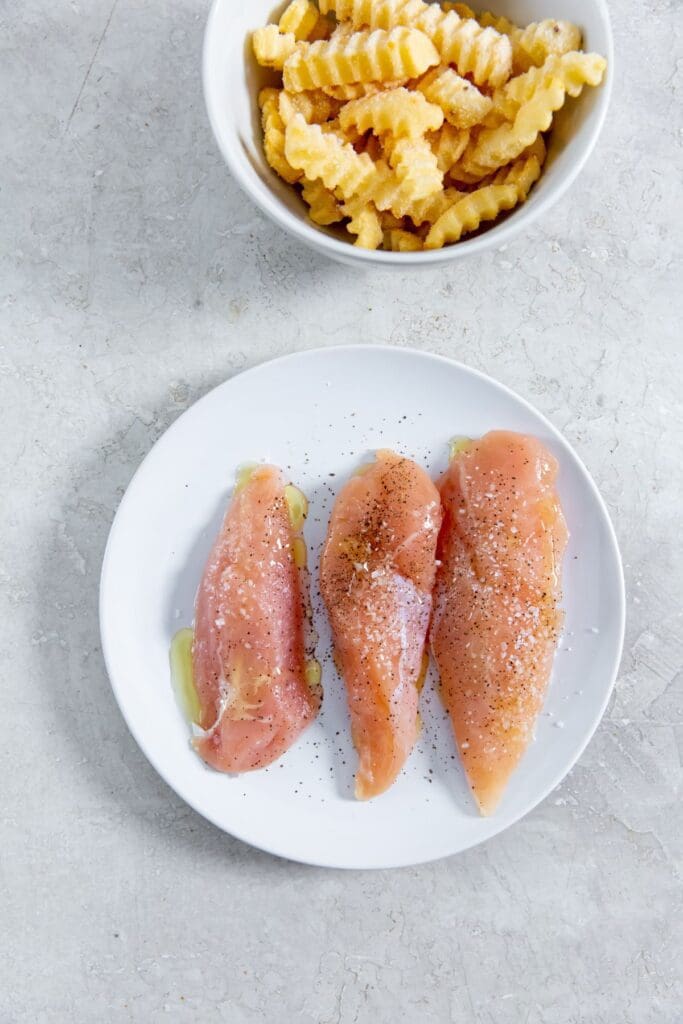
[[232, 81]]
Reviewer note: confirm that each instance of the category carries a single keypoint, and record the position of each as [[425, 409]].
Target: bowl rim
[[495, 237]]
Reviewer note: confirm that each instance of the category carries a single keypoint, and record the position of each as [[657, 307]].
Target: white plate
[[319, 414]]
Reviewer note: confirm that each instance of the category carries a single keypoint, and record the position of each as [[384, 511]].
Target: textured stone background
[[134, 277]]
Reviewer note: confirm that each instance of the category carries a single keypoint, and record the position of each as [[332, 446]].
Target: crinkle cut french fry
[[365, 223], [468, 213], [274, 136], [398, 111], [481, 52], [315, 106], [388, 192], [535, 43], [429, 210], [416, 166], [448, 144], [523, 174], [539, 41], [323, 206], [461, 102], [398, 240], [574, 70], [473, 48], [272, 47], [299, 18], [361, 57], [326, 156], [494, 147]]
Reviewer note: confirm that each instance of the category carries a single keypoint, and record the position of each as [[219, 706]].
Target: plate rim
[[596, 718]]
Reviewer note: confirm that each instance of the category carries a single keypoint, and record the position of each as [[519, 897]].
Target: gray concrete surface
[[134, 277]]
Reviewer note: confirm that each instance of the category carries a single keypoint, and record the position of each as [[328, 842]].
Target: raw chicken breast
[[256, 682], [496, 615], [376, 574]]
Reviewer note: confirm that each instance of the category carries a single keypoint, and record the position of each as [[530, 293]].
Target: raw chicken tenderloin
[[496, 615], [377, 573], [250, 663]]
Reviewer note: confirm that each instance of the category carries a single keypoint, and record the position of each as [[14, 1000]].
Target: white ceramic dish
[[319, 414], [232, 81]]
